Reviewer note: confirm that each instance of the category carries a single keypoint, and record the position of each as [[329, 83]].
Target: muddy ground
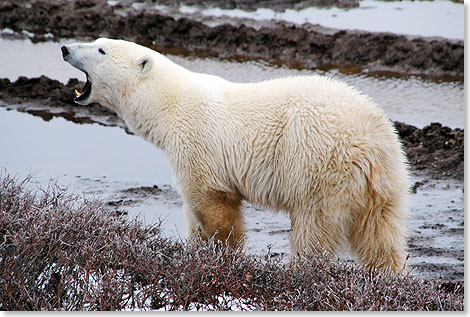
[[302, 46], [252, 5]]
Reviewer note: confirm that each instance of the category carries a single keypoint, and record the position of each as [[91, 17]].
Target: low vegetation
[[63, 252]]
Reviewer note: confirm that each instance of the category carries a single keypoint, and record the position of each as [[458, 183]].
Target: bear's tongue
[[85, 91]]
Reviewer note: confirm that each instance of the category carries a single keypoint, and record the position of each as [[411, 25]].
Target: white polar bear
[[310, 146]]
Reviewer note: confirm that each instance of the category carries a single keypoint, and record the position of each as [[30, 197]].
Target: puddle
[[72, 154], [420, 18], [413, 100], [24, 58]]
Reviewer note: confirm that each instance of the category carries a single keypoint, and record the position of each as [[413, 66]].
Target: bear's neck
[[151, 111]]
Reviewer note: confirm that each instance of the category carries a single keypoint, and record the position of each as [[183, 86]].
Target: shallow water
[[413, 100], [68, 152], [421, 18], [24, 58]]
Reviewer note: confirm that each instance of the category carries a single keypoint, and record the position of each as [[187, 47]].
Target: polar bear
[[310, 146]]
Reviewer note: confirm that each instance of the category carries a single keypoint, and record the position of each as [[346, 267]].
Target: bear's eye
[[101, 51]]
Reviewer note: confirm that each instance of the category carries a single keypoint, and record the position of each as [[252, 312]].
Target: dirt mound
[[434, 149], [252, 5], [305, 46], [48, 98], [41, 88]]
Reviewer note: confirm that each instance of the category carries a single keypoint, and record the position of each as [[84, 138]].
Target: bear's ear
[[144, 63]]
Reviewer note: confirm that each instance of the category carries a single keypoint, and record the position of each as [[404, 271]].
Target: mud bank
[[251, 5], [301, 46], [435, 150]]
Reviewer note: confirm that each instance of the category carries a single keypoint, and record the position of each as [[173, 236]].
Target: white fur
[[311, 146]]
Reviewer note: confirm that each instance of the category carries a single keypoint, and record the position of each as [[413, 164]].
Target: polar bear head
[[113, 68]]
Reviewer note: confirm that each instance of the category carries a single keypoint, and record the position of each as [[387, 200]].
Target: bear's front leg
[[215, 214]]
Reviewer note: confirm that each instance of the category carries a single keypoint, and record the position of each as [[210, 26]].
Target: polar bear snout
[[72, 55], [65, 51]]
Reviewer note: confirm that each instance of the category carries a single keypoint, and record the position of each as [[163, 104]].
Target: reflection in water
[[66, 151], [422, 18]]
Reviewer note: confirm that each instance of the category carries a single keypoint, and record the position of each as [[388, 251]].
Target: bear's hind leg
[[378, 238], [217, 215]]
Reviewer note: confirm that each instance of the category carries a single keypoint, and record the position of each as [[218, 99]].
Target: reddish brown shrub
[[63, 252]]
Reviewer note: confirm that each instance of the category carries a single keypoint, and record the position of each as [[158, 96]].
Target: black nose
[[64, 50]]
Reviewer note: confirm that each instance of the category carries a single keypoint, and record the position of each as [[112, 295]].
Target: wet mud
[[301, 46], [434, 150], [252, 5]]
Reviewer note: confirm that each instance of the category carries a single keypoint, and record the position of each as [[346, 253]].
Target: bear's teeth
[[77, 93]]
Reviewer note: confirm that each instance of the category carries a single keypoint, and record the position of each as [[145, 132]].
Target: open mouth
[[85, 93]]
